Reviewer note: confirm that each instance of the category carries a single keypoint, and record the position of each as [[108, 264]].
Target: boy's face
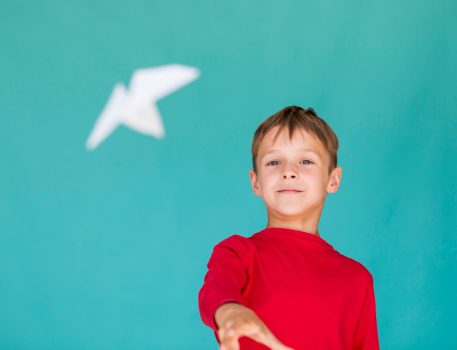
[[292, 175]]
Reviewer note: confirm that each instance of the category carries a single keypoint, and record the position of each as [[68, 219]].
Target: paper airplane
[[136, 107]]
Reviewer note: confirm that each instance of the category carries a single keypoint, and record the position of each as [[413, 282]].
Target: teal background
[[107, 249]]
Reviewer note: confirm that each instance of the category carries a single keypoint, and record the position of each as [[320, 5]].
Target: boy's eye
[[273, 162], [276, 162]]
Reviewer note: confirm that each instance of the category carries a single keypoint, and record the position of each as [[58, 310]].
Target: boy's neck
[[295, 224]]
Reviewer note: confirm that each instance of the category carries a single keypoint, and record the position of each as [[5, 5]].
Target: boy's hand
[[235, 320]]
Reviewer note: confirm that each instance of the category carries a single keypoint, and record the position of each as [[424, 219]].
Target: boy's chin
[[288, 212]]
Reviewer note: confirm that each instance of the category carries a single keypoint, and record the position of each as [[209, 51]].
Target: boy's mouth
[[289, 190]]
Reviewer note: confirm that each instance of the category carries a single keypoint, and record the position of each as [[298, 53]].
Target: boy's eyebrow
[[301, 149]]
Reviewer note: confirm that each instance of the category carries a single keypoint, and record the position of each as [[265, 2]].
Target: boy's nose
[[289, 174]]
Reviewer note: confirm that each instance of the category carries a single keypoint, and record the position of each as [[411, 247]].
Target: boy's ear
[[335, 180], [254, 182]]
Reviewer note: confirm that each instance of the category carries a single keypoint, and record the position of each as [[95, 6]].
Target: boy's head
[[295, 118], [294, 155]]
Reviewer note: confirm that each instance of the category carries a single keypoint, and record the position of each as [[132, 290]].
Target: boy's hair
[[293, 118]]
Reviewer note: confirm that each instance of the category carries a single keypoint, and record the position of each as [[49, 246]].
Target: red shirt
[[308, 295]]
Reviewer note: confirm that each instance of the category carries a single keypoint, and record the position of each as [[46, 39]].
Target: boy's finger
[[267, 338], [224, 333], [230, 343], [280, 347], [274, 343], [220, 333]]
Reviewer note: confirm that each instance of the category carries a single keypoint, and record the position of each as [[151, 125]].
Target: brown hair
[[294, 117]]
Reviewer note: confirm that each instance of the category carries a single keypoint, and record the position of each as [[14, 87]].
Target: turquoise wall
[[107, 249]]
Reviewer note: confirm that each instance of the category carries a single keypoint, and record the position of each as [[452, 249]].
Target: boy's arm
[[220, 299], [366, 337], [235, 320], [227, 276]]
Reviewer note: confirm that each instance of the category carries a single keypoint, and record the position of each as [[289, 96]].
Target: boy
[[285, 287]]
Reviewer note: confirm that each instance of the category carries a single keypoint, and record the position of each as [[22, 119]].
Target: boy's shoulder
[[236, 245], [245, 247], [357, 268], [236, 242]]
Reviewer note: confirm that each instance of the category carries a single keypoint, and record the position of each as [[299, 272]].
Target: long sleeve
[[366, 337], [226, 278]]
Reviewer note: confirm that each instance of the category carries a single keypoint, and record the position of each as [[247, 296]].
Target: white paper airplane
[[136, 108]]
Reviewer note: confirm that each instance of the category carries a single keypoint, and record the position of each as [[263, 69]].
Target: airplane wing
[[109, 119], [145, 119], [152, 84]]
